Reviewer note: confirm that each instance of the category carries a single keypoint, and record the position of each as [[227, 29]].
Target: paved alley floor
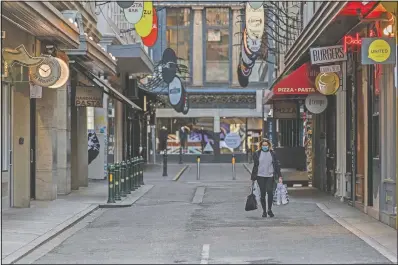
[[203, 221]]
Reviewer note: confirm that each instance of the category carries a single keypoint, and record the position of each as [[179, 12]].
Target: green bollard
[[128, 185], [137, 173], [111, 188], [132, 174], [141, 170], [117, 182], [122, 179]]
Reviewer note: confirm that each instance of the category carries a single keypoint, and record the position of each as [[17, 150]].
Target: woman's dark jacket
[[275, 163]]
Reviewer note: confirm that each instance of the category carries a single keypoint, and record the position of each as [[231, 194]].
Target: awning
[[108, 89], [132, 59]]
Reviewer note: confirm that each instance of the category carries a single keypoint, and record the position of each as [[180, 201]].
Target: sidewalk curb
[[130, 199], [367, 239], [179, 174], [247, 168], [36, 243]]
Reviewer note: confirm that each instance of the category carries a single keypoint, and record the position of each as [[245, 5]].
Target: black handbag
[[251, 202]]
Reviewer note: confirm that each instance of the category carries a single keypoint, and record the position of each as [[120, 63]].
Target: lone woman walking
[[266, 171]]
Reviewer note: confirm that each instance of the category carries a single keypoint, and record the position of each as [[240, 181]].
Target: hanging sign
[[254, 22], [328, 54], [378, 51], [133, 14], [175, 91], [87, 96], [46, 73], [21, 56], [150, 40], [125, 4], [330, 68], [327, 83], [169, 65], [316, 103], [144, 26], [255, 4], [232, 140], [64, 74]]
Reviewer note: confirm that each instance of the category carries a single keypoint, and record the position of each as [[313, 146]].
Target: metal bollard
[[142, 171], [132, 179], [111, 187], [180, 156], [117, 182], [198, 167], [122, 178], [128, 185], [137, 173], [165, 163], [136, 183], [233, 167]]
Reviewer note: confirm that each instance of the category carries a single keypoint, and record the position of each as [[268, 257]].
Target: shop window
[[217, 45], [5, 126], [178, 35], [232, 125], [193, 135]]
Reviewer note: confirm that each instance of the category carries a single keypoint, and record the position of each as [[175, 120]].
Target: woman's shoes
[[264, 214], [270, 213]]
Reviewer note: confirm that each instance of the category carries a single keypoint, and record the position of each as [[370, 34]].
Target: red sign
[[349, 40], [150, 40], [299, 82]]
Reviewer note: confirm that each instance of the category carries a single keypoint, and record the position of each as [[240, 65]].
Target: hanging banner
[[144, 26], [150, 40], [133, 14], [87, 96], [255, 22]]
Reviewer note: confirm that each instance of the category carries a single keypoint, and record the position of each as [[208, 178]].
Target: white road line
[[205, 254], [199, 194]]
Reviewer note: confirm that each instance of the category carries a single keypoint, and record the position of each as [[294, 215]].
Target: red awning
[[298, 82]]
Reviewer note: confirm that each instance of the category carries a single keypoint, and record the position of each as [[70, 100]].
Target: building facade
[[354, 139], [44, 135], [206, 39]]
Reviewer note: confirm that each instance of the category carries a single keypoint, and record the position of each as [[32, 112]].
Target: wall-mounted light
[[388, 24]]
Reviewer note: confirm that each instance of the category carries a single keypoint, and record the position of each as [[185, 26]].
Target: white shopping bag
[[257, 192]]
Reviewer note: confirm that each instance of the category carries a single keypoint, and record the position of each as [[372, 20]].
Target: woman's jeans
[[266, 186]]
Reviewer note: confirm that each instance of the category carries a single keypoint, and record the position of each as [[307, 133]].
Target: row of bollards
[[125, 177], [233, 167]]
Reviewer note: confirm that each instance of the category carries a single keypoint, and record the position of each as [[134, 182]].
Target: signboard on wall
[[285, 110], [328, 54], [378, 51], [87, 96]]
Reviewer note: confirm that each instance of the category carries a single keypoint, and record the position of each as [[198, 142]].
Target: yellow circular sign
[[144, 26], [379, 51], [327, 83]]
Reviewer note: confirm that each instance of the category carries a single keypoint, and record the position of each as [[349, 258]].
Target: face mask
[[264, 148]]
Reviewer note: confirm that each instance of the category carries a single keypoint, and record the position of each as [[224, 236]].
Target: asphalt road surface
[[203, 221]]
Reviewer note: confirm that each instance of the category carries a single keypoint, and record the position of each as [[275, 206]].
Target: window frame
[[205, 28], [190, 42]]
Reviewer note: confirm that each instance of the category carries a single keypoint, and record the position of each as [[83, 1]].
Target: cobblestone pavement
[[203, 221]]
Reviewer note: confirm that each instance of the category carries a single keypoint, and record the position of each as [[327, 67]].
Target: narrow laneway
[[174, 223]]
